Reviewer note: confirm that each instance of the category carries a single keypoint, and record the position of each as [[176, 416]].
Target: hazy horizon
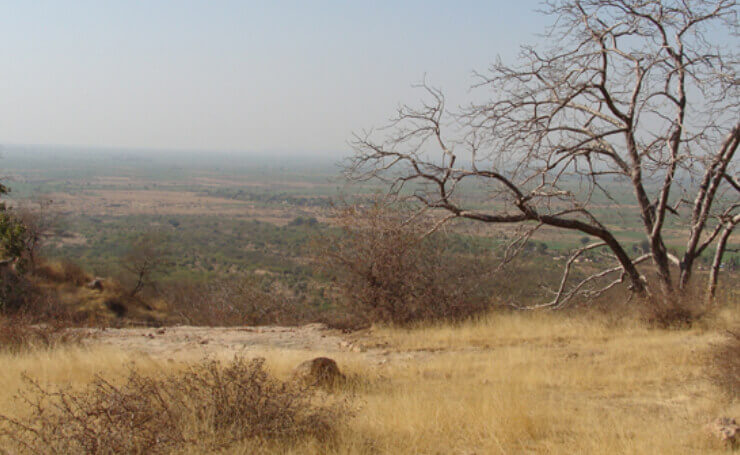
[[277, 78], [16, 150]]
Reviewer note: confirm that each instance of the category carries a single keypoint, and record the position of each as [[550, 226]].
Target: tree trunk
[[717, 262]]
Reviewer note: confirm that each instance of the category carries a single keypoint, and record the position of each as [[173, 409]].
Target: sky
[[259, 76]]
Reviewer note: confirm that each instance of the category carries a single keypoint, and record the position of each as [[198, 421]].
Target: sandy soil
[[186, 341]]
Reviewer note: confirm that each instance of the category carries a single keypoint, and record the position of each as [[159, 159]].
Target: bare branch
[[625, 93]]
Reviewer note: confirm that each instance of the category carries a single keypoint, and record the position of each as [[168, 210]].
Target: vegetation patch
[[724, 364], [210, 406], [18, 334], [388, 270]]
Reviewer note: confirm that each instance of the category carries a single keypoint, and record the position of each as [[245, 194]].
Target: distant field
[[126, 202], [226, 214]]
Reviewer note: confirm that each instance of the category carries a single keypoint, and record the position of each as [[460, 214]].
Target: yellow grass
[[536, 383]]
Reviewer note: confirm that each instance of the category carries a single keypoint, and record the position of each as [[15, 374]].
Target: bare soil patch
[[161, 202], [187, 340], [120, 202]]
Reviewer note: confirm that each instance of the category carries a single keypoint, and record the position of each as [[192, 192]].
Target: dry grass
[[546, 384], [57, 294], [508, 383], [724, 364], [18, 334], [66, 284], [209, 406], [63, 272]]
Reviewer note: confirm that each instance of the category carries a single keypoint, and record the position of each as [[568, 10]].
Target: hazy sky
[[236, 75]]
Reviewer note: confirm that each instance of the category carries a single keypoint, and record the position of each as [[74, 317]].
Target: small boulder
[[726, 429], [321, 371], [96, 284]]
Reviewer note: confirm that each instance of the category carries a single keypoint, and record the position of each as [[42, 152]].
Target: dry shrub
[[63, 272], [233, 302], [674, 312], [209, 407], [30, 317], [724, 364], [18, 333], [35, 319], [15, 291], [386, 269]]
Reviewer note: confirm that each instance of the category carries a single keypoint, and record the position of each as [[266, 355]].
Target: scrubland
[[518, 382], [474, 378]]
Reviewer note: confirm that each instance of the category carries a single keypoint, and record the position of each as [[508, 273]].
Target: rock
[[726, 429], [321, 371], [96, 284]]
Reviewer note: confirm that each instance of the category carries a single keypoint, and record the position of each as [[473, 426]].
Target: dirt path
[[186, 340]]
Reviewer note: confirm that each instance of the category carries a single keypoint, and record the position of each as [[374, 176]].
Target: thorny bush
[[208, 407], [386, 268]]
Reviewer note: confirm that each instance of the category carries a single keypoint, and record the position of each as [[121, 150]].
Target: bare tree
[[39, 220], [147, 260], [627, 93]]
